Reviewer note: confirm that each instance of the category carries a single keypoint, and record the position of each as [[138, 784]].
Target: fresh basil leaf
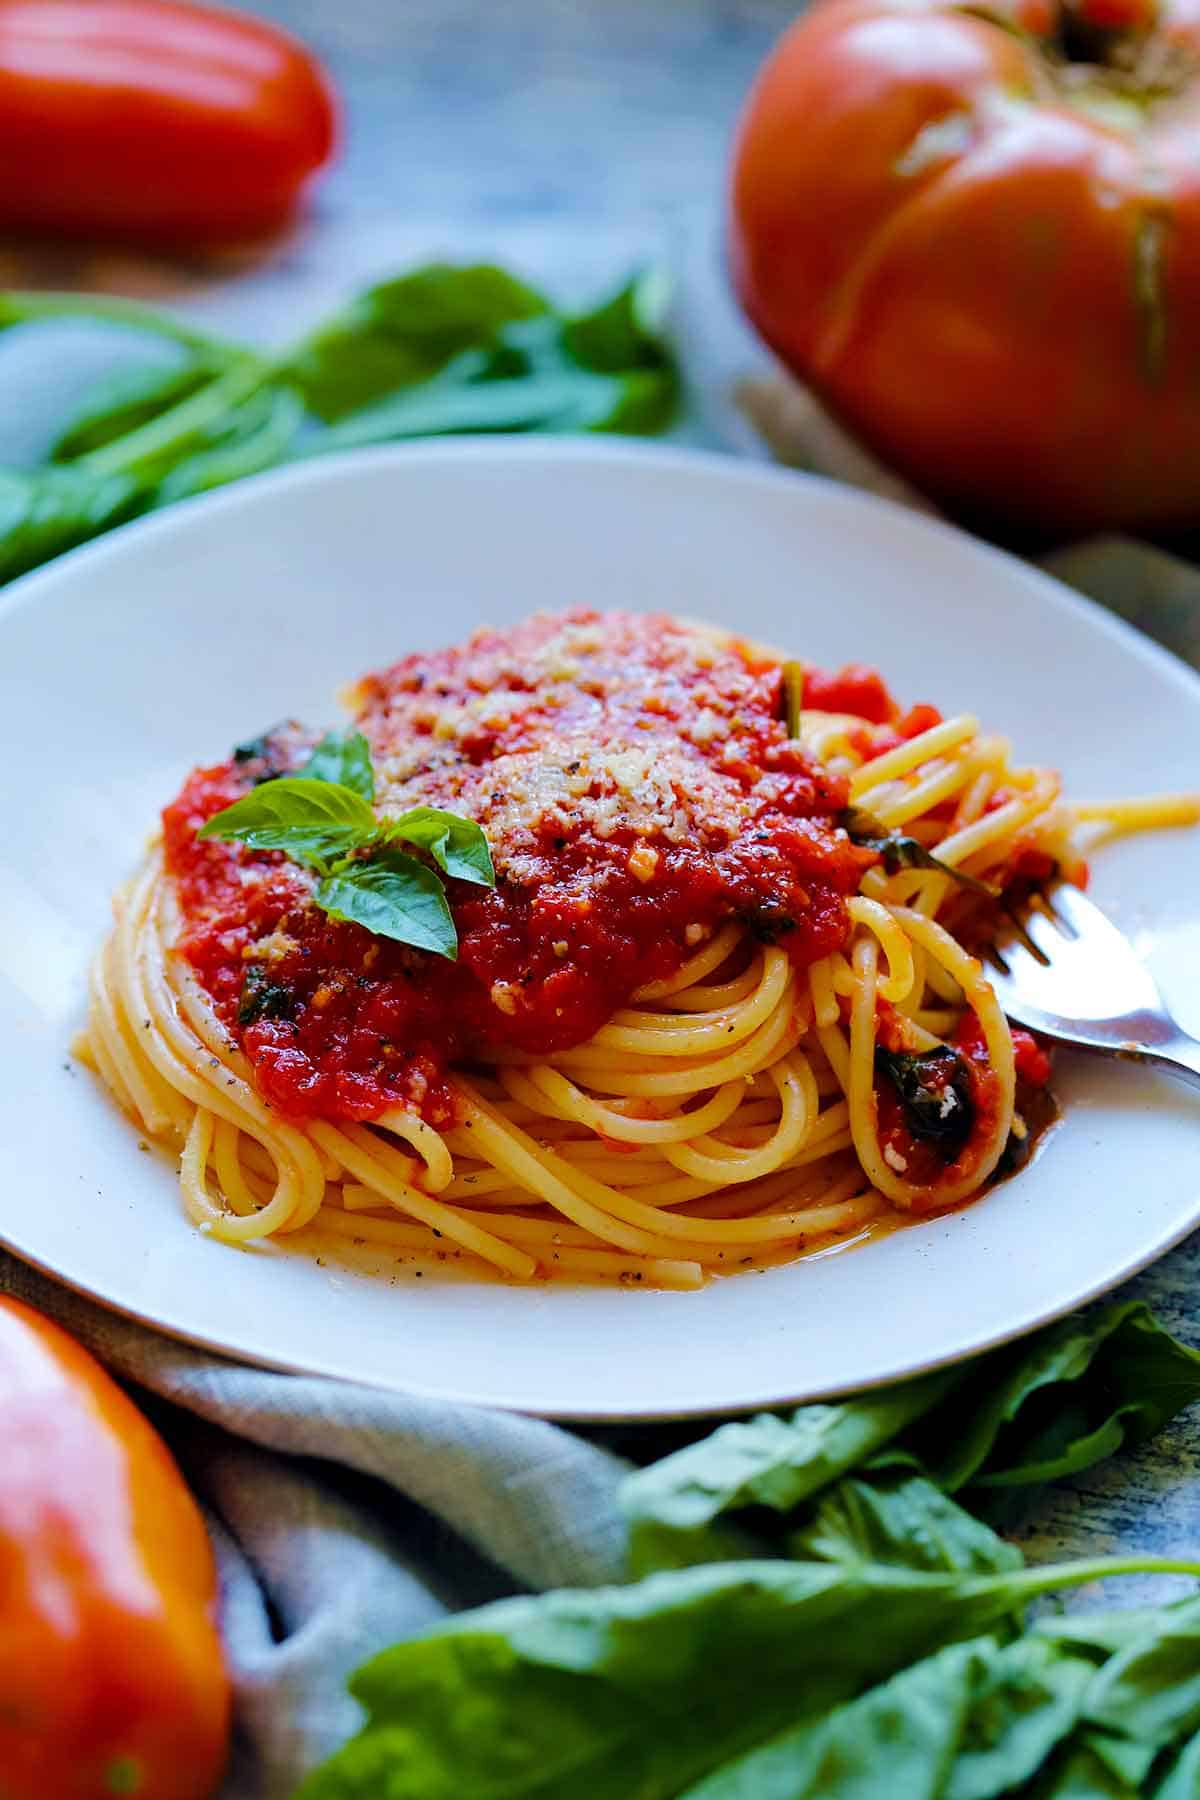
[[645, 1690], [556, 401], [152, 450], [1049, 1406], [1148, 1694], [1142, 1701], [934, 1090], [440, 350], [639, 404], [254, 436], [395, 896], [123, 401], [1081, 1774], [1114, 1764], [1120, 1764], [455, 844], [973, 1722], [1181, 1778], [891, 1513], [46, 511], [626, 331], [900, 852], [1062, 1400], [1102, 1634], [403, 332], [314, 822], [768, 1461], [344, 757], [524, 379]]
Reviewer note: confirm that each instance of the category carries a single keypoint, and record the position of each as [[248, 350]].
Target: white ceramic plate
[[126, 663]]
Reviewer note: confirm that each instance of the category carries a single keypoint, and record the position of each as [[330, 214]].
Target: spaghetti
[[720, 1009]]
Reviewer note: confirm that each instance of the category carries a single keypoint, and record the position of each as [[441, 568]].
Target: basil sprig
[[323, 818], [314, 822], [343, 757], [441, 349]]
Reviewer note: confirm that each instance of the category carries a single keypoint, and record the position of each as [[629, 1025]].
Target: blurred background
[[604, 110], [568, 129], [571, 141], [574, 142]]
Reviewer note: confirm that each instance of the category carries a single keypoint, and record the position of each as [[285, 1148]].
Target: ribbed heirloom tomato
[[974, 229]]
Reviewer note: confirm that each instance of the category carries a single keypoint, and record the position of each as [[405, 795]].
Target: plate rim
[[530, 447], [601, 1416], [205, 511]]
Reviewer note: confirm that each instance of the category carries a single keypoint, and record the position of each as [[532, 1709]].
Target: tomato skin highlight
[[155, 121], [942, 225], [111, 1674]]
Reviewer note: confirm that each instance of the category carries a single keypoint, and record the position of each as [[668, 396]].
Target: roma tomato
[[975, 232], [111, 1679], [154, 120]]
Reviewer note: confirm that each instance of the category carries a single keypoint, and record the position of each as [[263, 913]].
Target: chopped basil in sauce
[[934, 1089], [261, 998]]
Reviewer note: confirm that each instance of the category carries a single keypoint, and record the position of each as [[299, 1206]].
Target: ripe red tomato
[[154, 119], [111, 1669], [976, 234]]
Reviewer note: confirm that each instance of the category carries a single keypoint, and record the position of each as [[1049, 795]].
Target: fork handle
[[1178, 1055]]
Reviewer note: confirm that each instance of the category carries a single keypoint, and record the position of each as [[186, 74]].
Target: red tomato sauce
[[921, 1162], [1032, 1061], [855, 689], [637, 788]]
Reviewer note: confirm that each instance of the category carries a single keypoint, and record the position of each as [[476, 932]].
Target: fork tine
[[1043, 932], [993, 954], [1017, 960], [1056, 902], [1012, 939], [1080, 913], [1088, 988]]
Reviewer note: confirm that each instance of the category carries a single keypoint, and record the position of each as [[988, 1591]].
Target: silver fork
[[1064, 970]]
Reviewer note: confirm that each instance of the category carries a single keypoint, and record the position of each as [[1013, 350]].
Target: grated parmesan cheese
[[626, 730], [643, 860]]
